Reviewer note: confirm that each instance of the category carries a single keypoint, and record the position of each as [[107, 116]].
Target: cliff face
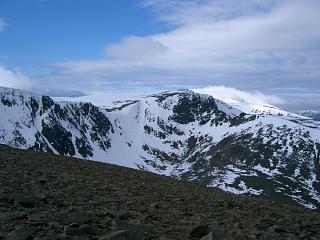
[[37, 122], [88, 199]]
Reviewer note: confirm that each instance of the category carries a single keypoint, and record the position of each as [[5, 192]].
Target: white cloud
[[182, 12], [14, 79], [227, 94], [3, 25], [218, 40], [133, 48], [248, 44]]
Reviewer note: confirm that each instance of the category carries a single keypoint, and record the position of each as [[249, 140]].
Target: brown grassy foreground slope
[[44, 196]]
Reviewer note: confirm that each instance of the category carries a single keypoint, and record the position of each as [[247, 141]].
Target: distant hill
[[315, 115]]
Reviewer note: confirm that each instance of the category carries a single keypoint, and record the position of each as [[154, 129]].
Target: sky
[[269, 49]]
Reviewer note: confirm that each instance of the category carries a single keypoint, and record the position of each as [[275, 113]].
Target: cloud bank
[[249, 44], [14, 79], [228, 93]]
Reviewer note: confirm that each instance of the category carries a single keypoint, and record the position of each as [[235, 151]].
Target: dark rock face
[[190, 108], [59, 138], [65, 128], [47, 103], [103, 201], [84, 118]]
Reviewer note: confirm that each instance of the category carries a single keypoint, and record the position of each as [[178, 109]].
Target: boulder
[[199, 231]]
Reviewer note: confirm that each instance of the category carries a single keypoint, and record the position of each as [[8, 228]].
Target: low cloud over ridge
[[14, 79], [229, 93]]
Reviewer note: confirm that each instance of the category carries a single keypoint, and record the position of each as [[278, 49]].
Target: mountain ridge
[[182, 134], [315, 115]]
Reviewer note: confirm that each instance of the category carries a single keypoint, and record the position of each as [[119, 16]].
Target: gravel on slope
[[44, 196]]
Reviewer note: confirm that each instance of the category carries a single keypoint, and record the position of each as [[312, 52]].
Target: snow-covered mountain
[[265, 109], [182, 134], [315, 115]]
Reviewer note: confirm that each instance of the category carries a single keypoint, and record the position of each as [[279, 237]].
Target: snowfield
[[239, 148]]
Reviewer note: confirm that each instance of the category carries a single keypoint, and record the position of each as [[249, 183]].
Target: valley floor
[[44, 195]]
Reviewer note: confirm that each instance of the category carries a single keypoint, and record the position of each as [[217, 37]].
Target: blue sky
[[44, 31], [271, 48]]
